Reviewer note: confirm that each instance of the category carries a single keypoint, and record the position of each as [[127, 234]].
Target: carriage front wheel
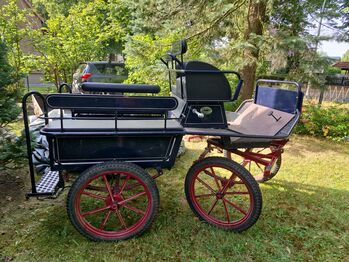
[[223, 193], [113, 201]]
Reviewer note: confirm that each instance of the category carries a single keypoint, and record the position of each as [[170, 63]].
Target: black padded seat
[[204, 86], [119, 88]]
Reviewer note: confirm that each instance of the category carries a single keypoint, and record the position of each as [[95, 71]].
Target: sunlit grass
[[305, 218]]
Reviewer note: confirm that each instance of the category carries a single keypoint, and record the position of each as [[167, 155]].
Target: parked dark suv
[[104, 72]]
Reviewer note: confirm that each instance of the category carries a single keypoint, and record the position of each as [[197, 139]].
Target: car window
[[111, 69]]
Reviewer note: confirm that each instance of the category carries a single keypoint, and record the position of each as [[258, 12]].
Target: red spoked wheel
[[223, 193], [113, 201]]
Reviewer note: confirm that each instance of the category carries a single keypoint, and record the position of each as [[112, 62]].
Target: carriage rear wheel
[[223, 193], [258, 170], [113, 201]]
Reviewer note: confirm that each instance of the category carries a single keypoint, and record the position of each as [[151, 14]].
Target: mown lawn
[[305, 218]]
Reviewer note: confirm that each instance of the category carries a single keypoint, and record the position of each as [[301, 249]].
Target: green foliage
[[14, 34], [331, 122], [8, 94], [143, 60], [88, 32], [11, 149]]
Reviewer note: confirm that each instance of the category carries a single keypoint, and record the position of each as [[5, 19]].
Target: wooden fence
[[332, 93]]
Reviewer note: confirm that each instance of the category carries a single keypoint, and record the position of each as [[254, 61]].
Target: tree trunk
[[255, 17]]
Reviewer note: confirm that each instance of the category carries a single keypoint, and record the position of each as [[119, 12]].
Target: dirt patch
[[12, 188]]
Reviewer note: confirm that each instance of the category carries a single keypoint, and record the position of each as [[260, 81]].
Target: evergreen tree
[[8, 95], [11, 149]]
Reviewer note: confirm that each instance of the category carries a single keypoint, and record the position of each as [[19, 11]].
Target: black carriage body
[[139, 131], [80, 150]]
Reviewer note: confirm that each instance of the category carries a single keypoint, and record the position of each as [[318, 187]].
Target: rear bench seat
[[132, 105]]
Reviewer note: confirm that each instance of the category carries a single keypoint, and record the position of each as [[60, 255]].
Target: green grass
[[305, 218]]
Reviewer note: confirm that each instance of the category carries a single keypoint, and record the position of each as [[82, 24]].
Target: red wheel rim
[[106, 204], [226, 201]]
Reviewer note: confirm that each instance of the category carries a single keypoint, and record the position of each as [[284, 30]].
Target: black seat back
[[203, 82], [129, 104]]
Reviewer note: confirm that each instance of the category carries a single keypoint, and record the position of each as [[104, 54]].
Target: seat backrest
[[130, 104], [199, 85], [280, 99]]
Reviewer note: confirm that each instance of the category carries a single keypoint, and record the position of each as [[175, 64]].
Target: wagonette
[[111, 139]]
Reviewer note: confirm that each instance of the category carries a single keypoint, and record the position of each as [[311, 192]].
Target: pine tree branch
[[218, 20]]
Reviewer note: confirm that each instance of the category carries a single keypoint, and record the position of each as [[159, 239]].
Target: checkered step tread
[[48, 182]]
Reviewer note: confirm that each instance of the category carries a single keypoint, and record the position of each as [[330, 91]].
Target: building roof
[[342, 65]]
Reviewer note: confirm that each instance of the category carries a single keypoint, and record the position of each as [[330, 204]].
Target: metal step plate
[[48, 182]]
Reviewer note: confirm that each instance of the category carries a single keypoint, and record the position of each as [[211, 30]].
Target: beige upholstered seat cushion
[[254, 120]]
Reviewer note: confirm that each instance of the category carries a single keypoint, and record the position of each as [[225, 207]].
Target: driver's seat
[[203, 86]]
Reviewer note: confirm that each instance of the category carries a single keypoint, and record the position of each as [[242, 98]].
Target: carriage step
[[48, 182], [49, 185]]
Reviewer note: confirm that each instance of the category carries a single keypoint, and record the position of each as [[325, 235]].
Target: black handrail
[[299, 87], [27, 133], [184, 71]]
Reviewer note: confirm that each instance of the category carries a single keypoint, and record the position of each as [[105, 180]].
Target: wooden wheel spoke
[[124, 184], [229, 183], [121, 219], [122, 202], [132, 186], [204, 195], [235, 206], [107, 185], [237, 193], [244, 162], [94, 211], [134, 209], [105, 220], [93, 195], [213, 206], [116, 187], [206, 185], [226, 211], [96, 188], [215, 178]]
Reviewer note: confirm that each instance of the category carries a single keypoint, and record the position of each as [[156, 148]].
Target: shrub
[[11, 147], [331, 122]]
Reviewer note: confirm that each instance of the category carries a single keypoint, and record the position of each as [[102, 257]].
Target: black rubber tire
[[120, 166], [243, 174]]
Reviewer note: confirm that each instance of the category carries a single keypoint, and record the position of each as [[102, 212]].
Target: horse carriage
[[111, 138]]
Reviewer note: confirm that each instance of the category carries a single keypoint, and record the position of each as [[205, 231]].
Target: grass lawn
[[305, 218]]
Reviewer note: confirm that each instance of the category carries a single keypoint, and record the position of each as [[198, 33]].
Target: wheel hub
[[113, 204]]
